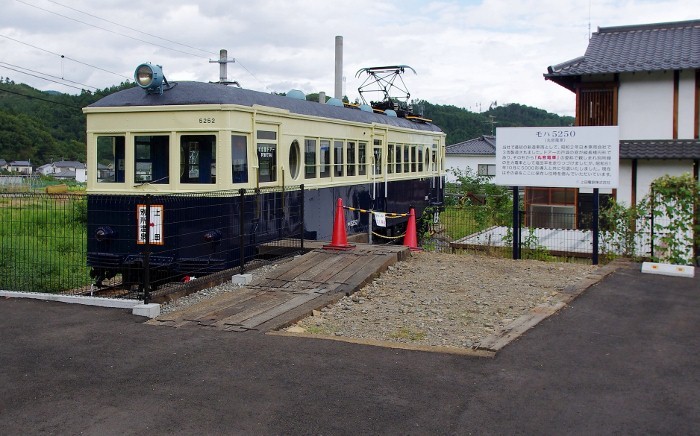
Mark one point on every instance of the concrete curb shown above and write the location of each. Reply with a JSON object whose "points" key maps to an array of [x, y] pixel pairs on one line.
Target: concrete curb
{"points": [[137, 307]]}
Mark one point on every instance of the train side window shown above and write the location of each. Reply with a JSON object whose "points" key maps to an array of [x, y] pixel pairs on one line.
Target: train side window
{"points": [[426, 158], [239, 158], [398, 157], [198, 159], [110, 159], [294, 159], [325, 158], [151, 159], [310, 158], [338, 158], [413, 158], [390, 159], [350, 166], [362, 158], [420, 158], [406, 158]]}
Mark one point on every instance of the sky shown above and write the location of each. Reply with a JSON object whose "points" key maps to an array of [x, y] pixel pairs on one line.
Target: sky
{"points": [[467, 53]]}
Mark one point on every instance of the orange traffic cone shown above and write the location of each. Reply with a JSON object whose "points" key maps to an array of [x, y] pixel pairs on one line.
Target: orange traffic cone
{"points": [[340, 237], [410, 240]]}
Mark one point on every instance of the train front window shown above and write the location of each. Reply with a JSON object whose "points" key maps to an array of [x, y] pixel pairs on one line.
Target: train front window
{"points": [[151, 159], [377, 170], [267, 156], [239, 158], [110, 159], [198, 159]]}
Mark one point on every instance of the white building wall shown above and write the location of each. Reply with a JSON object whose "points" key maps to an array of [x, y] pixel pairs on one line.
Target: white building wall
{"points": [[686, 105], [624, 190], [81, 175], [650, 170], [464, 162], [645, 105]]}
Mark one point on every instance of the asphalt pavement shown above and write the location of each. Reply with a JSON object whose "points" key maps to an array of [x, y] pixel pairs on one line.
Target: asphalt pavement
{"points": [[623, 358]]}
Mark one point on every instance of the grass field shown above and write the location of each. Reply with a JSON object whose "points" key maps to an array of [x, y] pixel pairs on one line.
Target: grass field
{"points": [[42, 242]]}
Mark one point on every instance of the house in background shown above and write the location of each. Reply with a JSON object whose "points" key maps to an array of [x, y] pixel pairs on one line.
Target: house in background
{"points": [[646, 80], [65, 170], [20, 166], [3, 165], [478, 154]]}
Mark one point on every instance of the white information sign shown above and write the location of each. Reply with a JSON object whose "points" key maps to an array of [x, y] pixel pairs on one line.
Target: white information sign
{"points": [[565, 157], [155, 224]]}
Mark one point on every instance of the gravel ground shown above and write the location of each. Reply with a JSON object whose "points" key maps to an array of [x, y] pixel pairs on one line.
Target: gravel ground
{"points": [[440, 299], [432, 299]]}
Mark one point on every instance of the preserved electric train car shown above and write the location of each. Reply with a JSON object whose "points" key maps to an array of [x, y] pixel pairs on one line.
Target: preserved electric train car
{"points": [[208, 138]]}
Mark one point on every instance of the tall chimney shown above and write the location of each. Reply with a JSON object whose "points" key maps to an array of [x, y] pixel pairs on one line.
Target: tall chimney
{"points": [[338, 67]]}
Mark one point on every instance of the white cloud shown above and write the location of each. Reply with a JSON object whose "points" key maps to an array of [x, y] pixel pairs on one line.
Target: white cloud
{"points": [[465, 52]]}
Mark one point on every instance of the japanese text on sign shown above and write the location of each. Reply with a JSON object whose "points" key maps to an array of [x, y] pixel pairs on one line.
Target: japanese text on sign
{"points": [[152, 227], [575, 157]]}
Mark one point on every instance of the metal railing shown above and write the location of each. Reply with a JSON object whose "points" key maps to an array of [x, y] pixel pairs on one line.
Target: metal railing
{"points": [[85, 244]]}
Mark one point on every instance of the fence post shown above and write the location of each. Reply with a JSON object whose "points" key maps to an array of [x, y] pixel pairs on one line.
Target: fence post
{"points": [[147, 254], [301, 207], [516, 223], [241, 230], [594, 226]]}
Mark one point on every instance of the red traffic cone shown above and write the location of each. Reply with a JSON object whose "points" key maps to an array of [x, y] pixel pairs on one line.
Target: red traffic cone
{"points": [[410, 240], [340, 237]]}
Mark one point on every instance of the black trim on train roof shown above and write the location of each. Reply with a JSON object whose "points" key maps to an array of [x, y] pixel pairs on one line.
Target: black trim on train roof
{"points": [[193, 93]]}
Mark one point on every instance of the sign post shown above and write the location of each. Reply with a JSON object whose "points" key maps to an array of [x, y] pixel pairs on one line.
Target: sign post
{"points": [[563, 157]]}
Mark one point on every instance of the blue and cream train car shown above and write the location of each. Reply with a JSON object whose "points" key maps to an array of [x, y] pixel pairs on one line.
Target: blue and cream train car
{"points": [[201, 138]]}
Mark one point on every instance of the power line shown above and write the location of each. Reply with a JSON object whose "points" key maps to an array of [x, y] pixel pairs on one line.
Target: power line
{"points": [[65, 57], [39, 98], [39, 77], [130, 28], [46, 74], [108, 30]]}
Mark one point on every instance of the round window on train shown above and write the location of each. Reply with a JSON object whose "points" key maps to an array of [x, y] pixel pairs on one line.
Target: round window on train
{"points": [[294, 159]]}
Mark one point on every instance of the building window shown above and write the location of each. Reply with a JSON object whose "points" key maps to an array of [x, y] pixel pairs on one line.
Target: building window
{"points": [[486, 170]]}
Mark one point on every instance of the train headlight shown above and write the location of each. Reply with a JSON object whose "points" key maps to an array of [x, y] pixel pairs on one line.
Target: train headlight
{"points": [[104, 233], [212, 236], [150, 78]]}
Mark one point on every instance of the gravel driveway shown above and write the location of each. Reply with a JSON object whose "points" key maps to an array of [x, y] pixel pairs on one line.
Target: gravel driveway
{"points": [[451, 300]]}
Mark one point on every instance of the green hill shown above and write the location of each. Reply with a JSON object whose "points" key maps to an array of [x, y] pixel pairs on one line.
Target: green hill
{"points": [[42, 126]]}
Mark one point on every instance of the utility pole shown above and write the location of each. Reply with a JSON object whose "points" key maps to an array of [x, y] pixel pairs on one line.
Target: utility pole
{"points": [[223, 71]]}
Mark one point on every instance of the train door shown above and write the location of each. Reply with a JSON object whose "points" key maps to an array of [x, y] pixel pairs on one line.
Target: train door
{"points": [[266, 149]]}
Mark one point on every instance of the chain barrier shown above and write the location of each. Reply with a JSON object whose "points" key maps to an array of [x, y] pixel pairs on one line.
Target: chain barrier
{"points": [[386, 214]]}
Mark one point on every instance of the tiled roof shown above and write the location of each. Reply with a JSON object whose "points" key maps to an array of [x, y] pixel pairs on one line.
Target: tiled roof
{"points": [[483, 145], [20, 163], [660, 149], [69, 164], [647, 47]]}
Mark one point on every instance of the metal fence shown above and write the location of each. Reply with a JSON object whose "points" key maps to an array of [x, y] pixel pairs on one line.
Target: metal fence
{"points": [[542, 235], [107, 244]]}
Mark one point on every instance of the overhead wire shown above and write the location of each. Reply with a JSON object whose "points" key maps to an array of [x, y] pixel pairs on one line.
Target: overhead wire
{"points": [[64, 57], [40, 77], [38, 98], [120, 34], [45, 74]]}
